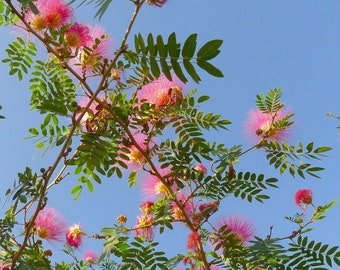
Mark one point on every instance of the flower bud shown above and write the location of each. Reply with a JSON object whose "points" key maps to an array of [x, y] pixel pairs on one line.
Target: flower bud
{"points": [[122, 219]]}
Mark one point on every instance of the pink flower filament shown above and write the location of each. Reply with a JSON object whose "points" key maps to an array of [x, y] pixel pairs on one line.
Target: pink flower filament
{"points": [[260, 125], [303, 197], [242, 228], [52, 14], [74, 236], [50, 225], [144, 227]]}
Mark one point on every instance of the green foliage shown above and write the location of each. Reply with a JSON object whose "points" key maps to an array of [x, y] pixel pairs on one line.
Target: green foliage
{"points": [[321, 210], [162, 217], [189, 113], [134, 254], [27, 187], [247, 186], [51, 133], [6, 16], [227, 157], [95, 157], [34, 258], [1, 116], [160, 57], [176, 154], [142, 255], [132, 179], [52, 89], [7, 225], [28, 4], [305, 254], [267, 253], [101, 5], [302, 254], [20, 56], [282, 157], [190, 145], [270, 103]]}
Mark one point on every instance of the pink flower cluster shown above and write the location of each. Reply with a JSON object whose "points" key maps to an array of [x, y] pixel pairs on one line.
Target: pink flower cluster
{"points": [[259, 125], [242, 228], [135, 156], [74, 236], [53, 14], [86, 45], [5, 266], [303, 197], [90, 256], [153, 188], [193, 241], [144, 225], [162, 92], [51, 226]]}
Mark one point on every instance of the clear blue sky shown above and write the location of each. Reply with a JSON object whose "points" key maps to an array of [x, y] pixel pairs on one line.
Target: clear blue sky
{"points": [[290, 44]]}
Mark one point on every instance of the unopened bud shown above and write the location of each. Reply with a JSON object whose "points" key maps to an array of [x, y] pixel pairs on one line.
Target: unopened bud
{"points": [[115, 75], [259, 132], [48, 252], [122, 219], [299, 220]]}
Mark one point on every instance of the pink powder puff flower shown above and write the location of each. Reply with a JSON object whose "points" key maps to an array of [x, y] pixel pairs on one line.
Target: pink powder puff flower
{"points": [[77, 35], [208, 207], [188, 261], [162, 92], [91, 111], [200, 168], [52, 14], [188, 205], [136, 158], [98, 47], [88, 61], [152, 187], [158, 3], [260, 125], [74, 236], [5, 266], [242, 228], [144, 227], [193, 241], [104, 47], [303, 197], [145, 207], [50, 225], [90, 256]]}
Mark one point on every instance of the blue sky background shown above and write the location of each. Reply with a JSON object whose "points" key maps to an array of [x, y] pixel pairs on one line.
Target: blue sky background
{"points": [[289, 44]]}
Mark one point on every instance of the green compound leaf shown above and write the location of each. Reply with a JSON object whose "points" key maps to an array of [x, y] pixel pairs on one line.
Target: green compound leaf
{"points": [[1, 116], [209, 50], [283, 156], [157, 57], [271, 102], [310, 255], [189, 47], [76, 191], [20, 55], [211, 69]]}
